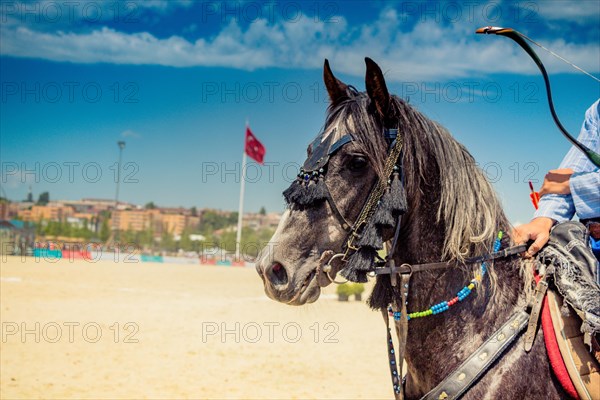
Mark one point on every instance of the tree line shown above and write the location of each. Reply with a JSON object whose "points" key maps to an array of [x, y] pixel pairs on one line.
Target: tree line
{"points": [[217, 229]]}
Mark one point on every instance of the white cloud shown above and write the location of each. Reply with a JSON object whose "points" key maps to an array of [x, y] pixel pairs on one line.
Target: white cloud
{"points": [[428, 51], [53, 10], [130, 134], [162, 5], [567, 10]]}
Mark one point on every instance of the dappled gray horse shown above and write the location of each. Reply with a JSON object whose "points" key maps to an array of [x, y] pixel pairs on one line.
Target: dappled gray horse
{"points": [[433, 203]]}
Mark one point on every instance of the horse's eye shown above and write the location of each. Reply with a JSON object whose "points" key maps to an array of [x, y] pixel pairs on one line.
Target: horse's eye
{"points": [[357, 164]]}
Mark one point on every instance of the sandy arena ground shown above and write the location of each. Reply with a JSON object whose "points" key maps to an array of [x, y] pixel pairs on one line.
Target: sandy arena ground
{"points": [[74, 329]]}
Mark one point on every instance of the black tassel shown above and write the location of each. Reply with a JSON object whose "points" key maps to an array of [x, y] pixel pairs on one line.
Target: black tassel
{"points": [[289, 193], [383, 214], [392, 203], [363, 259], [317, 190], [382, 293], [304, 194], [354, 276], [371, 236], [359, 264], [295, 194], [397, 198]]}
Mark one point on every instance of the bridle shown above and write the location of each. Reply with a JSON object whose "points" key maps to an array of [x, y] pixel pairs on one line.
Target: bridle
{"points": [[313, 173]]}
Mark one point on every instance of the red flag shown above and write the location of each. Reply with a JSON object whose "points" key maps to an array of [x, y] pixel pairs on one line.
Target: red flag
{"points": [[254, 148]]}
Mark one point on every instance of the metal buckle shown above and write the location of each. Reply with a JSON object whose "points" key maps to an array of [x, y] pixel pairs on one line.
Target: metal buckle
{"points": [[350, 241], [393, 273], [410, 268]]}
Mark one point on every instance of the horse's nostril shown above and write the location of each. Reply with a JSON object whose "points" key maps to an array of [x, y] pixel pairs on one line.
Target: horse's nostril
{"points": [[277, 274]]}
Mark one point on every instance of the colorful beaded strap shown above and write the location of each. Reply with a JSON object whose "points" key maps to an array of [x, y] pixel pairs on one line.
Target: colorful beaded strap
{"points": [[460, 296]]}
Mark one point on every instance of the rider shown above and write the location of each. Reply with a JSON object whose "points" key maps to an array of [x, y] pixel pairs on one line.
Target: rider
{"points": [[573, 188]]}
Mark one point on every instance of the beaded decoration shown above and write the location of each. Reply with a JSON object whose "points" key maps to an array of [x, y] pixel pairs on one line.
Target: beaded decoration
{"points": [[308, 188], [460, 296], [305, 176]]}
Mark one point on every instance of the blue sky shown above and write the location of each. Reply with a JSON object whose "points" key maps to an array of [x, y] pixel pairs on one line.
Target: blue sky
{"points": [[177, 80]]}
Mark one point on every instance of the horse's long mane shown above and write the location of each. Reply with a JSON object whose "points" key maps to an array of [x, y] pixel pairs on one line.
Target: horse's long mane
{"points": [[468, 207]]}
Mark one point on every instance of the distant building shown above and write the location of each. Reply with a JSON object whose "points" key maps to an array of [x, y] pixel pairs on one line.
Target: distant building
{"points": [[175, 210], [134, 220], [97, 205], [159, 220], [259, 221], [50, 212], [89, 212], [3, 209], [16, 206], [173, 223]]}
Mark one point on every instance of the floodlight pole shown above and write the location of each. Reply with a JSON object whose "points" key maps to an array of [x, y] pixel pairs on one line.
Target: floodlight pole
{"points": [[121, 145]]}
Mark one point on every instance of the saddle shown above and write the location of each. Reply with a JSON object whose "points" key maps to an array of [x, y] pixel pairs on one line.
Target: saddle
{"points": [[571, 310], [564, 338]]}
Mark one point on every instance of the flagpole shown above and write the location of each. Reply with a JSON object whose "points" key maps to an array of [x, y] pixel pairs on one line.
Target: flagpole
{"points": [[238, 237]]}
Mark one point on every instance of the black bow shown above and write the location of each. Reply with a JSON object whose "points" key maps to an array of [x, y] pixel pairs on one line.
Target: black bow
{"points": [[520, 39]]}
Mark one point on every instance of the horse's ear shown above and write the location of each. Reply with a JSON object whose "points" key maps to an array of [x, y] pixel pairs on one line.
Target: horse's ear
{"points": [[337, 89], [376, 88]]}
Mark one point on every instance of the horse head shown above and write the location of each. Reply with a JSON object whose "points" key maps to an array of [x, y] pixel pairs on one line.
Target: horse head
{"points": [[343, 164]]}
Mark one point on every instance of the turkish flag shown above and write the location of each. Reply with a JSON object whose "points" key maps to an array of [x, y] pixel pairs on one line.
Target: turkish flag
{"points": [[254, 148]]}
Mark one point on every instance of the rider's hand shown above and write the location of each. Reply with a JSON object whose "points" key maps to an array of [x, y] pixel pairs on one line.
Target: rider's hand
{"points": [[537, 230], [556, 181]]}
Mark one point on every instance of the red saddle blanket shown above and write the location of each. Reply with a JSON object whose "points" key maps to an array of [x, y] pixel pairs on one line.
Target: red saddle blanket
{"points": [[574, 367]]}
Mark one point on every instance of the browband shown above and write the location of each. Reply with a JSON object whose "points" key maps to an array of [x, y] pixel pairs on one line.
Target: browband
{"points": [[322, 147]]}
